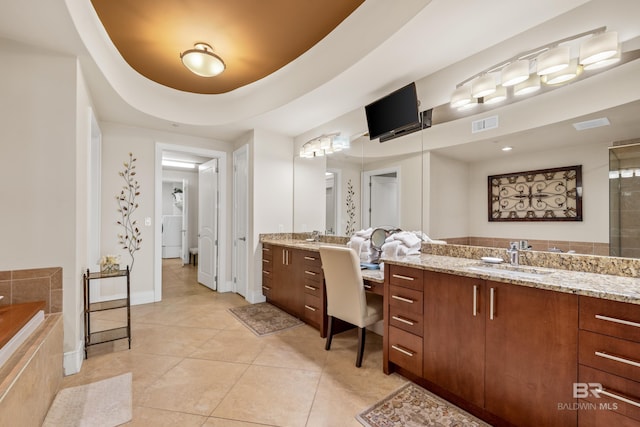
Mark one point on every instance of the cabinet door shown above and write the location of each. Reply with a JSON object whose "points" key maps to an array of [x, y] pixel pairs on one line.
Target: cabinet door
{"points": [[454, 336], [531, 346], [281, 276]]}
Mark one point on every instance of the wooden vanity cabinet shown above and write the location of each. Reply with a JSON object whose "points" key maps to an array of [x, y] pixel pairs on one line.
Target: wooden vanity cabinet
{"points": [[311, 279], [454, 342], [609, 355], [282, 280], [531, 345], [504, 349]]}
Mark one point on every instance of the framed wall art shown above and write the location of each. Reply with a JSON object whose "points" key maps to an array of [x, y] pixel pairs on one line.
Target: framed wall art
{"points": [[539, 195]]}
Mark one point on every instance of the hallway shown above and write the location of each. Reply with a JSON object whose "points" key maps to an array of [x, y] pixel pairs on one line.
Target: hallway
{"points": [[194, 364]]}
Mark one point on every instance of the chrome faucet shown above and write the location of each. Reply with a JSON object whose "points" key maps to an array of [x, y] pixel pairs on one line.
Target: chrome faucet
{"points": [[514, 253]]}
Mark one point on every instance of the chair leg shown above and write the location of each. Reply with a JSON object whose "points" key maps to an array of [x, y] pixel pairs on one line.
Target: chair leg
{"points": [[327, 346], [362, 333]]}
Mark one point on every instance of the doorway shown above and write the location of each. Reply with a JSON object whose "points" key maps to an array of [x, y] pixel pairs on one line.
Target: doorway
{"points": [[381, 200], [333, 218], [214, 258]]}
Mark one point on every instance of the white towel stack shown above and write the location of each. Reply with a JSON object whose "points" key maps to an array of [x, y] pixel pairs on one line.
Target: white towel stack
{"points": [[361, 243], [401, 244]]}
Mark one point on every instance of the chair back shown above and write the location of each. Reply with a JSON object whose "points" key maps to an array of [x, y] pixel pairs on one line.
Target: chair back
{"points": [[346, 297]]}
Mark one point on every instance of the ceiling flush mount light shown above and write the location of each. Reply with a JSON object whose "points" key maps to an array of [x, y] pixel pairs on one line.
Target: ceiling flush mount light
{"points": [[532, 84], [499, 95], [553, 60], [461, 97], [599, 48], [483, 85], [516, 72], [324, 144], [564, 75], [202, 61]]}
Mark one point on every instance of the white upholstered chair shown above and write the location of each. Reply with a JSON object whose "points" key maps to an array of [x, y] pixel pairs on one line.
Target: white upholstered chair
{"points": [[346, 297]]}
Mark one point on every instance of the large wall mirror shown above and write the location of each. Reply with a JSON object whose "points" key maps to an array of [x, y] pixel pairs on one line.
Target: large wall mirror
{"points": [[437, 178]]}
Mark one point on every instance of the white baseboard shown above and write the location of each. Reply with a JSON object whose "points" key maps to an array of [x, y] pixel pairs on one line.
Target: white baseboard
{"points": [[72, 360], [255, 297], [146, 297]]}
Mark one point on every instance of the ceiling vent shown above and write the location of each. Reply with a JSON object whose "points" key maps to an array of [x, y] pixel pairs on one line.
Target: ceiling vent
{"points": [[484, 124], [590, 124]]}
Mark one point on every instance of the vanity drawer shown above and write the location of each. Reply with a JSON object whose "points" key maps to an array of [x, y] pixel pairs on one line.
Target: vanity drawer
{"points": [[618, 392], [313, 310], [267, 251], [311, 258], [313, 288], [405, 300], [405, 350], [374, 287], [609, 354], [266, 286], [312, 274], [406, 277], [618, 319], [410, 322]]}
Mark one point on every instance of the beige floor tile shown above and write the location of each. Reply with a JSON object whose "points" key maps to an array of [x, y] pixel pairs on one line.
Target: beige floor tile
{"points": [[270, 395], [239, 345], [221, 422], [147, 417], [169, 340], [293, 352], [193, 386]]}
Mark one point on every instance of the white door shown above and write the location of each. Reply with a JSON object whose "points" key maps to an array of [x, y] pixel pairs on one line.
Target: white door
{"points": [[240, 219], [384, 200], [185, 221], [208, 223]]}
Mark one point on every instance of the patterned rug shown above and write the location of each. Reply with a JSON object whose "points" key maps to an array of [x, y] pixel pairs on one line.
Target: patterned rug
{"points": [[105, 403], [413, 406], [264, 319]]}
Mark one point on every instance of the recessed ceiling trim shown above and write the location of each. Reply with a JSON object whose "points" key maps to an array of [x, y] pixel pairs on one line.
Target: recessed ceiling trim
{"points": [[590, 124]]}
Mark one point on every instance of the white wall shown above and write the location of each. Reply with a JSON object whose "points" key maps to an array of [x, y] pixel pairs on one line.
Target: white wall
{"points": [[270, 197], [448, 198], [118, 141], [349, 173], [594, 227], [44, 129], [309, 182]]}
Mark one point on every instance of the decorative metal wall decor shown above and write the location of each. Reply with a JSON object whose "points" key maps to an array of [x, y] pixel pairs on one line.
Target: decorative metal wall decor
{"points": [[540, 195]]}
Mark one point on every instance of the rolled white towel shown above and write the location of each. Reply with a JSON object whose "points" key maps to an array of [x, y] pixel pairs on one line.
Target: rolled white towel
{"points": [[356, 243], [390, 250], [365, 233], [408, 238]]}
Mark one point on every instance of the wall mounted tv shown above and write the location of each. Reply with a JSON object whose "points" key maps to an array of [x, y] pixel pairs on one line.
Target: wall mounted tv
{"points": [[396, 114]]}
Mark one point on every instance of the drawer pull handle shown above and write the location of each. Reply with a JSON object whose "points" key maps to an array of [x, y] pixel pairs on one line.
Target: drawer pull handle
{"points": [[311, 288], [309, 258], [266, 249], [617, 397], [308, 307], [618, 359], [403, 299], [492, 293], [405, 321], [266, 272], [311, 273], [367, 286], [399, 276], [475, 300], [266, 288], [613, 319], [266, 260], [402, 350]]}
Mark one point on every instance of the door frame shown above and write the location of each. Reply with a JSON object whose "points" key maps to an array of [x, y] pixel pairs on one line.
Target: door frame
{"points": [[337, 191], [223, 285]]}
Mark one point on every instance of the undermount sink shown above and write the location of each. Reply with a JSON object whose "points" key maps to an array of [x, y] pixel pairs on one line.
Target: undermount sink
{"points": [[511, 271]]}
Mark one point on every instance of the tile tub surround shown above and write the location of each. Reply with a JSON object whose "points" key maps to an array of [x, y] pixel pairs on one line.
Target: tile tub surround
{"points": [[37, 284], [30, 379]]}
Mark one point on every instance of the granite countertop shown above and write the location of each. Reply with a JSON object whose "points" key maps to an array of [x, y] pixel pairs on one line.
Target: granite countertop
{"points": [[617, 288]]}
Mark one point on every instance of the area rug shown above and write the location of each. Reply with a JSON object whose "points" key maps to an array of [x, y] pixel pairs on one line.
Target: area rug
{"points": [[105, 403], [413, 406], [264, 319]]}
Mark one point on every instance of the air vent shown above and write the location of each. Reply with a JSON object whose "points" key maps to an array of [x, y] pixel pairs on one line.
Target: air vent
{"points": [[484, 124], [590, 124]]}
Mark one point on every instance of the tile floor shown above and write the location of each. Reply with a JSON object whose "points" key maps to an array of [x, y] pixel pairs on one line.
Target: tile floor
{"points": [[194, 364]]}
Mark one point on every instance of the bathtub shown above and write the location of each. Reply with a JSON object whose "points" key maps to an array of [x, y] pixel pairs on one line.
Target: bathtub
{"points": [[17, 323]]}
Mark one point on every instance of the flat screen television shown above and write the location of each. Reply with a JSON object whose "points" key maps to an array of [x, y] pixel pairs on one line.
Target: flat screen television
{"points": [[394, 114]]}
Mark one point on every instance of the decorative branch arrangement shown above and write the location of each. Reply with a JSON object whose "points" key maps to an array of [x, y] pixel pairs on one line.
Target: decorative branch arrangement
{"points": [[131, 238], [351, 210]]}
